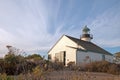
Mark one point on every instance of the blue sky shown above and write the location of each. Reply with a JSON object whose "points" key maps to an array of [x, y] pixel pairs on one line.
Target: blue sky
{"points": [[35, 25]]}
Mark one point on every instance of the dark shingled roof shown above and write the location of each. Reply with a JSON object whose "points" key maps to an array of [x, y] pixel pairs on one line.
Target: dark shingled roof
{"points": [[89, 46]]}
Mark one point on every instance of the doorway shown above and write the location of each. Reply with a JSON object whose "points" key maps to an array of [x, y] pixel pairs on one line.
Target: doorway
{"points": [[64, 57]]}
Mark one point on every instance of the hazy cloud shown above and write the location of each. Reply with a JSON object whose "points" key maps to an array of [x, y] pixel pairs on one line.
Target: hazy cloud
{"points": [[38, 24]]}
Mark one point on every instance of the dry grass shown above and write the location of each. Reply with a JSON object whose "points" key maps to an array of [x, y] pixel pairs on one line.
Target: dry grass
{"points": [[56, 71], [62, 75], [77, 75]]}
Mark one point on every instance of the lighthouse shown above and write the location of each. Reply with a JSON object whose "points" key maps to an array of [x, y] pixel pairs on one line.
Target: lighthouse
{"points": [[86, 36]]}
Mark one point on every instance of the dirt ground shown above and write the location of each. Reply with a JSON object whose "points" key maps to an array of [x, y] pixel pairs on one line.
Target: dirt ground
{"points": [[77, 75]]}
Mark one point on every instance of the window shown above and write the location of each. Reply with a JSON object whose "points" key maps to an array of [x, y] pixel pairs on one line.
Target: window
{"points": [[49, 57], [87, 57], [103, 57]]}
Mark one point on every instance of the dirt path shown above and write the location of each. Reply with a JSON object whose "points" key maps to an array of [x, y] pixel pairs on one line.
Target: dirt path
{"points": [[75, 75]]}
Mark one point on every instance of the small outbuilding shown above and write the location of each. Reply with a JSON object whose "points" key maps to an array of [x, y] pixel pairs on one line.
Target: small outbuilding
{"points": [[70, 49]]}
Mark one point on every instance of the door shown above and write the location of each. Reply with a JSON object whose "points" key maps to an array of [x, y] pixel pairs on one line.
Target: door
{"points": [[64, 57], [61, 57]]}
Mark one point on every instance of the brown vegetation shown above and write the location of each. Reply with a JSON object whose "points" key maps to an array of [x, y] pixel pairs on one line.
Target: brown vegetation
{"points": [[103, 66], [34, 67]]}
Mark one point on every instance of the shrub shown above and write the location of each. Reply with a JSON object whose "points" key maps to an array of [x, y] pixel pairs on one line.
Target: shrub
{"points": [[55, 65], [5, 77], [72, 66], [114, 69], [38, 72], [103, 66]]}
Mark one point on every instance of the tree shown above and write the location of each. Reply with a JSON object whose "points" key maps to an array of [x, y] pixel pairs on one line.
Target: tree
{"points": [[14, 63], [1, 66], [11, 59], [35, 57]]}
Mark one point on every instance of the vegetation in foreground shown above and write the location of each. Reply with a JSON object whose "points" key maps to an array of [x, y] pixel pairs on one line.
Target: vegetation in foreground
{"points": [[34, 67]]}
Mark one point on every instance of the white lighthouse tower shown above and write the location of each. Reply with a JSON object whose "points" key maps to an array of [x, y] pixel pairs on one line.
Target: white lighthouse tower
{"points": [[86, 36]]}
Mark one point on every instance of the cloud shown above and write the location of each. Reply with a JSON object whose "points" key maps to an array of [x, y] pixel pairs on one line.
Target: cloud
{"points": [[37, 25], [105, 27], [25, 24]]}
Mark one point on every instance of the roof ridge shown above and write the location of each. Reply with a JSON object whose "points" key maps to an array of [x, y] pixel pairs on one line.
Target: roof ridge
{"points": [[90, 46], [100, 47], [77, 39]]}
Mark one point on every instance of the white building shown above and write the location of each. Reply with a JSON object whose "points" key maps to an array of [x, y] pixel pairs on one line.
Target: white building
{"points": [[70, 49]]}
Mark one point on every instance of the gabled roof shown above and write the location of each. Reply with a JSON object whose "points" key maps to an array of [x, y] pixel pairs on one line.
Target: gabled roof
{"points": [[55, 43], [89, 46]]}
